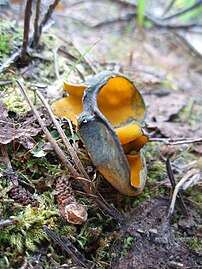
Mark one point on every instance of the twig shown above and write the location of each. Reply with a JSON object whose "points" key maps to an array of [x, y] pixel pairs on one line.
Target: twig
{"points": [[183, 11], [28, 13], [63, 136], [66, 245], [157, 22], [55, 146], [72, 132], [168, 141], [6, 82], [6, 222], [191, 176], [36, 25], [10, 60], [172, 181], [47, 17], [111, 211]]}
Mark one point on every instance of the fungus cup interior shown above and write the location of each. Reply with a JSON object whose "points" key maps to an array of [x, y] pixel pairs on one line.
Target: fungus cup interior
{"points": [[122, 105]]}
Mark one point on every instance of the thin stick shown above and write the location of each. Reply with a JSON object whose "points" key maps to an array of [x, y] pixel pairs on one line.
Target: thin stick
{"points": [[5, 82], [47, 16], [28, 14], [110, 210], [36, 25], [72, 132], [55, 146], [66, 245], [172, 181], [168, 141], [191, 173], [63, 136]]}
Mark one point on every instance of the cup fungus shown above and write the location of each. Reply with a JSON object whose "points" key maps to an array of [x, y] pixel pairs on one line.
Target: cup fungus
{"points": [[108, 111]]}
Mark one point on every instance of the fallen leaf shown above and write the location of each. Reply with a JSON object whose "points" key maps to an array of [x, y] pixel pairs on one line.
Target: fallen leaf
{"points": [[164, 108], [21, 130]]}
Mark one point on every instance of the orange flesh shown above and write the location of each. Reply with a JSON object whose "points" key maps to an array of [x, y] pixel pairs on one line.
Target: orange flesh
{"points": [[135, 163], [128, 132], [68, 107]]}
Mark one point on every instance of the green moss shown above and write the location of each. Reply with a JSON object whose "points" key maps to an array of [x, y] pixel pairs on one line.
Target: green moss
{"points": [[10, 38], [27, 232]]}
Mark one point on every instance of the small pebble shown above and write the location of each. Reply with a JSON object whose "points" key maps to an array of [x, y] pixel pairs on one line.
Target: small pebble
{"points": [[153, 231], [175, 264], [140, 231], [161, 240]]}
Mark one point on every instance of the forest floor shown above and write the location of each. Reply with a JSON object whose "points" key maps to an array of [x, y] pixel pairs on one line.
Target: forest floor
{"points": [[93, 37]]}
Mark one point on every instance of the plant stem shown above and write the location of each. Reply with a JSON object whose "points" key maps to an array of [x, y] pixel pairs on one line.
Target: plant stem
{"points": [[28, 13]]}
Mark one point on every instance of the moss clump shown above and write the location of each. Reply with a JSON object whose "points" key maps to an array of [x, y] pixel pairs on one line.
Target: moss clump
{"points": [[11, 37]]}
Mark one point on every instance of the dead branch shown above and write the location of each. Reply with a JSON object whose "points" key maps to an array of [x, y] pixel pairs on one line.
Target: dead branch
{"points": [[169, 141], [47, 17], [55, 146], [172, 181], [66, 245], [36, 25], [23, 61]]}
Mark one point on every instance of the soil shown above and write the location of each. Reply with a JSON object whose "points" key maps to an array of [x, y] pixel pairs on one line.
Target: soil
{"points": [[155, 244]]}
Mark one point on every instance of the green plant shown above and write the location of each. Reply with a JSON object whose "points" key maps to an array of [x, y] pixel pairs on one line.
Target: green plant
{"points": [[10, 38], [140, 13], [126, 246]]}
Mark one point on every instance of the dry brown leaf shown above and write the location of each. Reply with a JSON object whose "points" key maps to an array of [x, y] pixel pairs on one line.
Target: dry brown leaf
{"points": [[164, 108], [21, 131]]}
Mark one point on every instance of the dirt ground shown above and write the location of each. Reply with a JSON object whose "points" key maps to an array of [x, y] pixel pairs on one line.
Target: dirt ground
{"points": [[155, 244]]}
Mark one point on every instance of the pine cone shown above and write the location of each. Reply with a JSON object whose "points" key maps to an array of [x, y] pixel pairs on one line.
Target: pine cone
{"points": [[21, 195], [69, 208]]}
